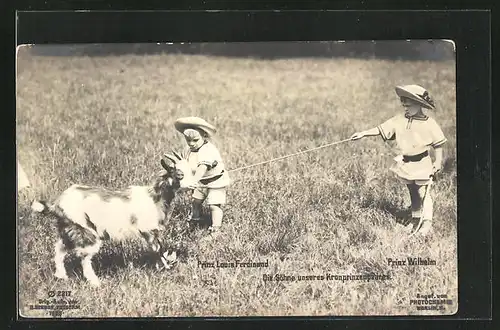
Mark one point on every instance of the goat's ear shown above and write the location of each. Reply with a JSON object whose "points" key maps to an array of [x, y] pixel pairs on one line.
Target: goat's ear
{"points": [[163, 173]]}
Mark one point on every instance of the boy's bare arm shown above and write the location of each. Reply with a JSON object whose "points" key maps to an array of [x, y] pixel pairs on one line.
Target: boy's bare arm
{"points": [[200, 171], [438, 162], [370, 132]]}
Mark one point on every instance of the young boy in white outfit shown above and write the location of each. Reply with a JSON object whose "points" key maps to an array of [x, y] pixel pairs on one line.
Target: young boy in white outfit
{"points": [[415, 133], [210, 176]]}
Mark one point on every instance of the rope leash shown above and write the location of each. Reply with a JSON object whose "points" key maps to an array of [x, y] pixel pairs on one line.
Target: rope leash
{"points": [[290, 155]]}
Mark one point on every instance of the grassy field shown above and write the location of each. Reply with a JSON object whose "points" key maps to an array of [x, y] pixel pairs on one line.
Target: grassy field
{"points": [[106, 121]]}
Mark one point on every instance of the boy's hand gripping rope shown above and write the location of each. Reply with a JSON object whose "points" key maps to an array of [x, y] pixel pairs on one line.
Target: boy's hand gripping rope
{"points": [[291, 155]]}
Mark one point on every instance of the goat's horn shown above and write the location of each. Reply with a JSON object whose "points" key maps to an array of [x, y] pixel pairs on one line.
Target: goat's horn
{"points": [[172, 158], [176, 155]]}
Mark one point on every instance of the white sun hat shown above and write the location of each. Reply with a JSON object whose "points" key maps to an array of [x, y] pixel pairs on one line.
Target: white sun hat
{"points": [[416, 93], [194, 122]]}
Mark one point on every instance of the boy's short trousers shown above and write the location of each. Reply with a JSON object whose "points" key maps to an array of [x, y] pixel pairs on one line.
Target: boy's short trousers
{"points": [[416, 172], [212, 196]]}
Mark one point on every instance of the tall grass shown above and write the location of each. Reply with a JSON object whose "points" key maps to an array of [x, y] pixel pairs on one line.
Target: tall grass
{"points": [[106, 121]]}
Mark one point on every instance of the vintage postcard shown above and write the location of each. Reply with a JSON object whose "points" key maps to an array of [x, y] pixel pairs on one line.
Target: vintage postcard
{"points": [[237, 179]]}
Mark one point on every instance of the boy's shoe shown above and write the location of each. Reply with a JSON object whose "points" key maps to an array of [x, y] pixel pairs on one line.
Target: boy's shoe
{"points": [[426, 227]]}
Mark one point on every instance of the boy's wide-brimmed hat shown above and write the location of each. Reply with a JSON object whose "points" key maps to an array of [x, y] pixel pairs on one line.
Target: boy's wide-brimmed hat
{"points": [[416, 93], [194, 122]]}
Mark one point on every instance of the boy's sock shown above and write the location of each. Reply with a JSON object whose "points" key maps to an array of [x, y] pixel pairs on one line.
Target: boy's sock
{"points": [[194, 215]]}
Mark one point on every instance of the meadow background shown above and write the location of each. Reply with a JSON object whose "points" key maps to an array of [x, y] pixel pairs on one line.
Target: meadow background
{"points": [[107, 120]]}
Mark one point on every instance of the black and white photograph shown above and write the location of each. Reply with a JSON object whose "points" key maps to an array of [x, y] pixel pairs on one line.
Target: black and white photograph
{"points": [[237, 179]]}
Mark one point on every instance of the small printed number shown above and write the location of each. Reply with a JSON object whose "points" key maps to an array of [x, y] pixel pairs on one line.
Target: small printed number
{"points": [[55, 313], [59, 294]]}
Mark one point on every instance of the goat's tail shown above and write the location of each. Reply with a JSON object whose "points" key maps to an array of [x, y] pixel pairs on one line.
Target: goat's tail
{"points": [[44, 208], [40, 207]]}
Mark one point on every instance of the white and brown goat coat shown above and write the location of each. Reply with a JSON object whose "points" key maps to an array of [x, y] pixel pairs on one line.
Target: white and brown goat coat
{"points": [[87, 215]]}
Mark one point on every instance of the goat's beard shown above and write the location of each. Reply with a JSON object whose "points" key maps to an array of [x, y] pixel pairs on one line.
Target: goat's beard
{"points": [[167, 193]]}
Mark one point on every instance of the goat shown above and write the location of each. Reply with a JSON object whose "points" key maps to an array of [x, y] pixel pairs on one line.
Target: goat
{"points": [[87, 215]]}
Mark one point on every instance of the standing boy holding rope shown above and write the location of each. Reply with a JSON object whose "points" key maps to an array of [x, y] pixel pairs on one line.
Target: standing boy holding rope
{"points": [[414, 133], [210, 177]]}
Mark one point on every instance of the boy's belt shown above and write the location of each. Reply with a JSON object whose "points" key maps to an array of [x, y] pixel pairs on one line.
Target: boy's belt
{"points": [[415, 158], [212, 179]]}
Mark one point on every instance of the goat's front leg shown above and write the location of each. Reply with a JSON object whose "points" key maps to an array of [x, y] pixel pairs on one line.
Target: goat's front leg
{"points": [[152, 238], [169, 210]]}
